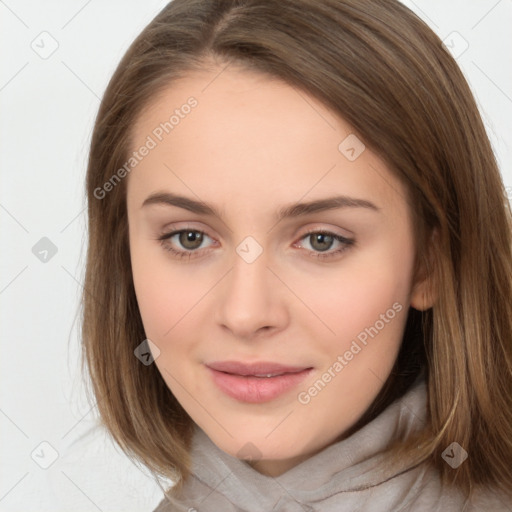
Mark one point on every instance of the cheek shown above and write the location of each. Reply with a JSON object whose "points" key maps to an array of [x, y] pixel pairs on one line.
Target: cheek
{"points": [[170, 297], [354, 297], [162, 299]]}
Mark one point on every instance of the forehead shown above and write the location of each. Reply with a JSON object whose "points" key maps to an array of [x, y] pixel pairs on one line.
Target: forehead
{"points": [[239, 133], [235, 106]]}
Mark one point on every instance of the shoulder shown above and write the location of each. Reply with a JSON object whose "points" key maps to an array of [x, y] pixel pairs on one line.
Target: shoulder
{"points": [[163, 506], [166, 506], [427, 494], [490, 500]]}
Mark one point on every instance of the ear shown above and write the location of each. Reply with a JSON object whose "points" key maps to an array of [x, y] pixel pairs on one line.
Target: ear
{"points": [[424, 289]]}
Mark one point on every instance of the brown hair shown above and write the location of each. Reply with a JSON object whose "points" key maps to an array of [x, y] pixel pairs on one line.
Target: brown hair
{"points": [[382, 69]]}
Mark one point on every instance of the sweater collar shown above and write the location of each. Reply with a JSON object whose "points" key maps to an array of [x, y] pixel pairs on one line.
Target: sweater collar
{"points": [[351, 464]]}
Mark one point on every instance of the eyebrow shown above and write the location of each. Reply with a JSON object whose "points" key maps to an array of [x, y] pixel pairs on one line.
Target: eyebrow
{"points": [[288, 211]]}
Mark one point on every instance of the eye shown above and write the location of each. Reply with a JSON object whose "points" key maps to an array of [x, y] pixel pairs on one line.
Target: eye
{"points": [[190, 239], [323, 241]]}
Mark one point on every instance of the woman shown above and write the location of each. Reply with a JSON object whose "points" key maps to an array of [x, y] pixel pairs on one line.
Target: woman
{"points": [[298, 287]]}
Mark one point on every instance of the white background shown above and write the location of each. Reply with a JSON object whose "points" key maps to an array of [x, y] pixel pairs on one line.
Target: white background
{"points": [[47, 108]]}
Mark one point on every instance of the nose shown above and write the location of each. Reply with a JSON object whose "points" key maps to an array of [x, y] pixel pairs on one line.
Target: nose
{"points": [[251, 301]]}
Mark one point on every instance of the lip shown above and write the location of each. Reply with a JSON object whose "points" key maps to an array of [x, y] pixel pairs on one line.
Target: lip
{"points": [[238, 380], [257, 368]]}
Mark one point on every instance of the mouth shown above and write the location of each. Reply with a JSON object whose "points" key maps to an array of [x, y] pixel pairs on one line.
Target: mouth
{"points": [[256, 382], [258, 369]]}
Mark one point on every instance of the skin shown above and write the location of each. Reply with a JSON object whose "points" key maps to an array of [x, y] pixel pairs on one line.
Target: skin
{"points": [[252, 145]]}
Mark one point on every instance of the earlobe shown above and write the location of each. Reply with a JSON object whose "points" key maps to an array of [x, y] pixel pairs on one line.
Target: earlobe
{"points": [[423, 296], [424, 290]]}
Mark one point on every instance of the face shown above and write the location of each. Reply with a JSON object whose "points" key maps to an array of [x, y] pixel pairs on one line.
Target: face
{"points": [[233, 273]]}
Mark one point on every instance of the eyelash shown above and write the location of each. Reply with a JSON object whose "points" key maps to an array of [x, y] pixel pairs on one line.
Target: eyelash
{"points": [[347, 243]]}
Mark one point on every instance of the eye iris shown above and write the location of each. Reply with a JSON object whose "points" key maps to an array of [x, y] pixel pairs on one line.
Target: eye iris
{"points": [[193, 237], [324, 240]]}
